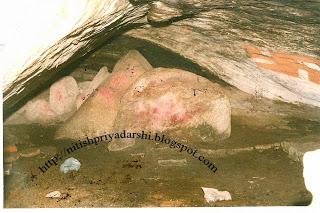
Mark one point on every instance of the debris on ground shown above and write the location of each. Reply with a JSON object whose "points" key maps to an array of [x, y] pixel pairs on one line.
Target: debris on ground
{"points": [[71, 164], [171, 162], [213, 195], [30, 152], [54, 194]]}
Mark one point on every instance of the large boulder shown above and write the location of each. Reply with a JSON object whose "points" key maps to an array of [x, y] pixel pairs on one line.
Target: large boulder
{"points": [[51, 35], [172, 99], [49, 107], [63, 95], [97, 114], [87, 87]]}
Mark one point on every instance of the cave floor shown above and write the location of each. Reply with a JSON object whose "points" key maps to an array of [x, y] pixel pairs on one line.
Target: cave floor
{"points": [[133, 177]]}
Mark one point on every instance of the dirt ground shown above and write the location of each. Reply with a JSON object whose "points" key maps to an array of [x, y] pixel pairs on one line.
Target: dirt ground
{"points": [[133, 178]]}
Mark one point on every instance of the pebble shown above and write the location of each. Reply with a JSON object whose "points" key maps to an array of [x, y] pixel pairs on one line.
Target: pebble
{"points": [[213, 195], [54, 194], [71, 164], [31, 152], [182, 162]]}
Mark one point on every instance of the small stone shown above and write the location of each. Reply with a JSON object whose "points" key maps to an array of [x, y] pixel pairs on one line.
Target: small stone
{"points": [[171, 162], [141, 155], [31, 152], [71, 164], [213, 195], [54, 194]]}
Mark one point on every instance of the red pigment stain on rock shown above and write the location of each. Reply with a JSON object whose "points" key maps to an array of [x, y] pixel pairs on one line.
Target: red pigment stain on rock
{"points": [[59, 95], [45, 107], [163, 111], [119, 80], [107, 92], [290, 64], [186, 116]]}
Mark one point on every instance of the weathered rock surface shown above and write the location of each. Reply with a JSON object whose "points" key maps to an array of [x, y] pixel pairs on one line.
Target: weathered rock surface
{"points": [[217, 41], [298, 147], [51, 106], [288, 27], [87, 87], [63, 95], [171, 98], [39, 111], [54, 36], [96, 116]]}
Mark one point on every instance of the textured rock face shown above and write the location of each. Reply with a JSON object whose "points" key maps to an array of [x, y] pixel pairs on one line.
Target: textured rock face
{"points": [[96, 116], [63, 95], [51, 35], [87, 87], [171, 98], [287, 27], [59, 102], [51, 106], [217, 39]]}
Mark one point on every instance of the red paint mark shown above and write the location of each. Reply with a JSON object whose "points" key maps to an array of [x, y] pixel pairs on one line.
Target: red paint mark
{"points": [[184, 30], [165, 111], [107, 92], [59, 95], [47, 109], [176, 119], [120, 81], [286, 63]]}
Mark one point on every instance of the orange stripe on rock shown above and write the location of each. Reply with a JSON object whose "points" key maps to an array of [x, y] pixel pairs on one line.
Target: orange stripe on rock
{"points": [[289, 70], [252, 50], [285, 63], [314, 76]]}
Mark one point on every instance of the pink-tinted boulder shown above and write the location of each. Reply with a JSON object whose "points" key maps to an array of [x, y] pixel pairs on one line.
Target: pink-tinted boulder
{"points": [[39, 111], [96, 116], [167, 99], [86, 88], [63, 95]]}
